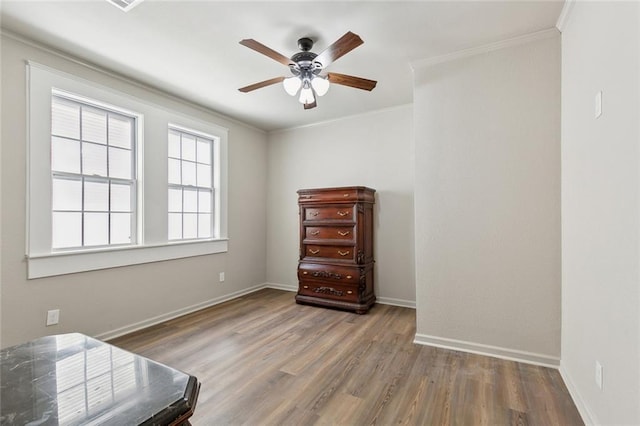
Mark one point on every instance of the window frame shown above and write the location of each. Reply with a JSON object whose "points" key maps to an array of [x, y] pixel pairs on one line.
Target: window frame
{"points": [[155, 117], [84, 178], [214, 190]]}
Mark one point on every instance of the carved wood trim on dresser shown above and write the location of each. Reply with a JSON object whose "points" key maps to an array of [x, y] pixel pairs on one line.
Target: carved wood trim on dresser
{"points": [[336, 248]]}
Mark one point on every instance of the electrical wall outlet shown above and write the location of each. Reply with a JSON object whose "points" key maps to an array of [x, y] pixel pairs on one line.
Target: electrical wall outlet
{"points": [[221, 277], [53, 317], [599, 373]]}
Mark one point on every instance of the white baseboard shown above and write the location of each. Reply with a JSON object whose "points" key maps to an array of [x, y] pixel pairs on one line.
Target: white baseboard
{"points": [[281, 287], [112, 334], [488, 350], [396, 302], [175, 314], [587, 416]]}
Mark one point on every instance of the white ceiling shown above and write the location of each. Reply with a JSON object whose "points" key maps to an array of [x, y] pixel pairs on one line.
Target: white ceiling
{"points": [[190, 48]]}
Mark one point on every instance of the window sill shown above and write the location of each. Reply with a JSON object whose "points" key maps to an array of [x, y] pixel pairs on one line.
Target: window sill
{"points": [[49, 265]]}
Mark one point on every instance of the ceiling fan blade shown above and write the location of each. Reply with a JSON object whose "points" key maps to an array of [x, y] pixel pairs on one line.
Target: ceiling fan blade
{"points": [[341, 47], [351, 81], [261, 84], [267, 51], [311, 105]]}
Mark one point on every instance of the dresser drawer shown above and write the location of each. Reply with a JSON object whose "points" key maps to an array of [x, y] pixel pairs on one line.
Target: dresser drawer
{"points": [[329, 232], [329, 290], [333, 273], [344, 213], [343, 253], [347, 194], [336, 195]]}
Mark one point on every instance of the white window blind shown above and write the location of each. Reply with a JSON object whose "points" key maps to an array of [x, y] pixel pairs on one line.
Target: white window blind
{"points": [[93, 175]]}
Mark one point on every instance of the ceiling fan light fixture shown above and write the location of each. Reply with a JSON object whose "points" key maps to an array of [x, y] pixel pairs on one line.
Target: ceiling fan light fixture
{"points": [[306, 67], [306, 96], [292, 85], [320, 85]]}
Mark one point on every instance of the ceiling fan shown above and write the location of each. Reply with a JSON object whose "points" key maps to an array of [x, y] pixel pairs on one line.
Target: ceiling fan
{"points": [[307, 69]]}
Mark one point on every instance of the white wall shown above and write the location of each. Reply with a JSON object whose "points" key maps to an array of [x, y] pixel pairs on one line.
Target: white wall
{"points": [[371, 150], [487, 201], [99, 302], [600, 211]]}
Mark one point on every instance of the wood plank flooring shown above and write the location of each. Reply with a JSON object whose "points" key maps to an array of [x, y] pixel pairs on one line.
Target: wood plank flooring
{"points": [[263, 360]]}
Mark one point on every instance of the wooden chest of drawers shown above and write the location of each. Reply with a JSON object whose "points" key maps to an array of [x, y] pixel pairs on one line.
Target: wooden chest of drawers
{"points": [[336, 248]]}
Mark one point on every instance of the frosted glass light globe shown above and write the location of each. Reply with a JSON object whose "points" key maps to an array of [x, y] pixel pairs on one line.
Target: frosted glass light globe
{"points": [[292, 85], [306, 96], [320, 85]]}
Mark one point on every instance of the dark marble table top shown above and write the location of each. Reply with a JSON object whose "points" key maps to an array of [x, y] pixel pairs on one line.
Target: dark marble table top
{"points": [[72, 379]]}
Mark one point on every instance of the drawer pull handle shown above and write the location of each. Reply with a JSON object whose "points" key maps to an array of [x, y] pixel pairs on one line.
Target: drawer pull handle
{"points": [[327, 274], [344, 234], [305, 286], [349, 292], [313, 213], [314, 251], [305, 273], [328, 290], [315, 232], [346, 195], [341, 213], [343, 253], [349, 277]]}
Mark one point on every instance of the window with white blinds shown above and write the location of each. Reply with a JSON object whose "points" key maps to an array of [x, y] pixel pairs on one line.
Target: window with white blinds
{"points": [[191, 192], [93, 171], [117, 179]]}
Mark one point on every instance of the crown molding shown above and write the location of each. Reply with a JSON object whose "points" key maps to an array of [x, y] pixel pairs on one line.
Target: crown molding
{"points": [[563, 19], [123, 78], [343, 118], [511, 42]]}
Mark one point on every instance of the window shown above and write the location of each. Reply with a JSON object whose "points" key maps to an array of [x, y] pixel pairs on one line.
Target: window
{"points": [[98, 178], [191, 192], [93, 174]]}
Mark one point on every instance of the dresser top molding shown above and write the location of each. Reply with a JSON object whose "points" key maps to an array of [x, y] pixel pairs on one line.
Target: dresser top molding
{"points": [[360, 194]]}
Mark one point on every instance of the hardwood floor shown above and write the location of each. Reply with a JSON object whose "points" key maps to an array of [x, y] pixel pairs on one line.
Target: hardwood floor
{"points": [[264, 360]]}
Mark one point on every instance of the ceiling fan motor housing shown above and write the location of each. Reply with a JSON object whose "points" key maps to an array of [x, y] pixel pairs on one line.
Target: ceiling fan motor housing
{"points": [[304, 61], [303, 57]]}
